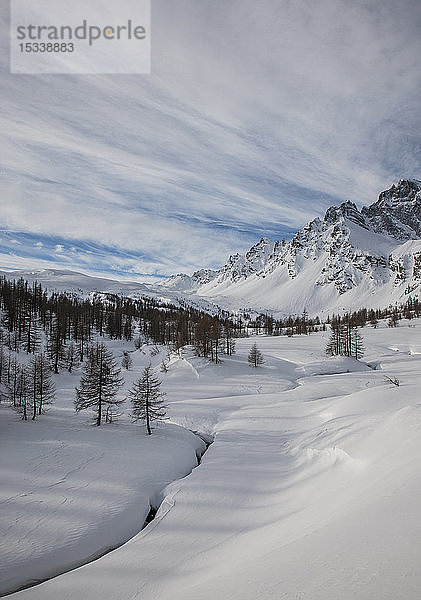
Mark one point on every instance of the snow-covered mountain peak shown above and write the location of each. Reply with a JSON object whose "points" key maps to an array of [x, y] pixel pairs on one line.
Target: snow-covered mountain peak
{"points": [[258, 254], [350, 258], [407, 190], [397, 211], [346, 210], [182, 282]]}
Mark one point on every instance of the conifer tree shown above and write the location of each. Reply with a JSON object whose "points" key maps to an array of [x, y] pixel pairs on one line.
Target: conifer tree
{"points": [[33, 335], [345, 340], [335, 345], [13, 381], [357, 347], [21, 402], [202, 336], [147, 399], [229, 339], [55, 346], [126, 361], [40, 383], [99, 383], [255, 357], [71, 357], [4, 356]]}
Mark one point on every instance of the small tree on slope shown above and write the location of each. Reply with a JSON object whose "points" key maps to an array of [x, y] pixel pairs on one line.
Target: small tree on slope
{"points": [[40, 383], [357, 347], [345, 340], [255, 357], [99, 383], [147, 399], [126, 361]]}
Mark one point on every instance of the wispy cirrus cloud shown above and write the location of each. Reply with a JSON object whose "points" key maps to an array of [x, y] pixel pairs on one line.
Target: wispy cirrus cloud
{"points": [[256, 118]]}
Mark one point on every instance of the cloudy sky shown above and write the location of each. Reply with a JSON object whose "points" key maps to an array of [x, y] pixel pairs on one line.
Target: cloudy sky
{"points": [[256, 117]]}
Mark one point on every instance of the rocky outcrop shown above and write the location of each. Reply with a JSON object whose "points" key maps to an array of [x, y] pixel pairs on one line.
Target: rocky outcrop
{"points": [[376, 250]]}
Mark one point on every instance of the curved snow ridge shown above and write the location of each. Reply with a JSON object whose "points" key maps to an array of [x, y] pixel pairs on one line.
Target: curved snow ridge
{"points": [[164, 501], [194, 370], [331, 457], [164, 508], [77, 550], [308, 456], [407, 418], [79, 504], [336, 365]]}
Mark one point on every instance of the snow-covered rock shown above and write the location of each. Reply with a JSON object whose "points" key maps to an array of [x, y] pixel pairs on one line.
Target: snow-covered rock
{"points": [[188, 283], [397, 211], [352, 258]]}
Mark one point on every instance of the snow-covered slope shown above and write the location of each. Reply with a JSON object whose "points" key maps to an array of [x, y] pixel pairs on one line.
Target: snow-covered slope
{"points": [[310, 490], [350, 259], [79, 283], [70, 491], [62, 280]]}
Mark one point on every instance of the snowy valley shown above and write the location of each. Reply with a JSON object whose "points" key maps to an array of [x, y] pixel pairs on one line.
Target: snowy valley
{"points": [[297, 478], [350, 259], [310, 489], [210, 300]]}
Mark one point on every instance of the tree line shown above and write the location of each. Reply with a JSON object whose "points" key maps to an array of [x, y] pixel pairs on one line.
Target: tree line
{"points": [[67, 323], [55, 331], [303, 325]]}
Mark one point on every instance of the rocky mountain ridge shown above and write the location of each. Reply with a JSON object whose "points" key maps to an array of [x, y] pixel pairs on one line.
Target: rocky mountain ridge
{"points": [[347, 260], [371, 255]]}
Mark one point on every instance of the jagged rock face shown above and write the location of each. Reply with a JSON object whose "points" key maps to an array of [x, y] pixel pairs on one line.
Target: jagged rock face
{"points": [[240, 267], [376, 251], [405, 191], [347, 210], [397, 212], [343, 264], [204, 276], [183, 282]]}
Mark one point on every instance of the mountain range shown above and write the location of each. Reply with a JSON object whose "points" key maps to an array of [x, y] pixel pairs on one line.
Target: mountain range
{"points": [[348, 260]]}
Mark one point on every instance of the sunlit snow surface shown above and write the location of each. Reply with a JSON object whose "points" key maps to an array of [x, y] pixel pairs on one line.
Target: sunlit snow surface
{"points": [[311, 489]]}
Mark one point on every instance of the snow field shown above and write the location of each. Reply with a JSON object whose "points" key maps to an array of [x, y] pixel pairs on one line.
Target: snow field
{"points": [[72, 491], [310, 489]]}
